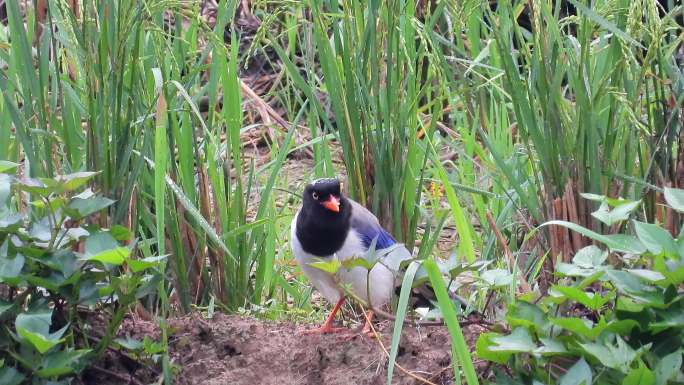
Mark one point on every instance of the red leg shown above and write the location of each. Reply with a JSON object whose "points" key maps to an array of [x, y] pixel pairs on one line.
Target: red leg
{"points": [[327, 325], [367, 330]]}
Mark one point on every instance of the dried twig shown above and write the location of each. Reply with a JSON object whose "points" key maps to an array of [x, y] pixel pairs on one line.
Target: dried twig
{"points": [[377, 337], [129, 379], [525, 287]]}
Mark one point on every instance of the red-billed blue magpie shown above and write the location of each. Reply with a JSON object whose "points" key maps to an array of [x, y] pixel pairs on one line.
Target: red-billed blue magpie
{"points": [[329, 225]]}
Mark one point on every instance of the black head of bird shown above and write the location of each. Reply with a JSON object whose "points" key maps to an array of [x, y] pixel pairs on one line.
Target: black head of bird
{"points": [[323, 222], [323, 197]]}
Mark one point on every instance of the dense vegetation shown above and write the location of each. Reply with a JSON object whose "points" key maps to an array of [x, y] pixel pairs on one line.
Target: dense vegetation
{"points": [[483, 121]]}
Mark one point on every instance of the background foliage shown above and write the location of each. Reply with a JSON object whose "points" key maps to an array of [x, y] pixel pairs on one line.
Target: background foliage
{"points": [[478, 120]]}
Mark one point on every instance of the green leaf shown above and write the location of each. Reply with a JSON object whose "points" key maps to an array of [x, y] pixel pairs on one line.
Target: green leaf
{"points": [[668, 367], [11, 222], [619, 357], [7, 166], [647, 275], [102, 247], [121, 233], [656, 239], [5, 306], [71, 182], [615, 242], [61, 362], [35, 186], [497, 278], [10, 376], [519, 341], [590, 257], [64, 261], [138, 265], [673, 270], [640, 375], [624, 243], [578, 374], [35, 328], [523, 313], [330, 266], [572, 270], [129, 343], [675, 198], [593, 197], [482, 349], [114, 256], [356, 261], [80, 208], [580, 326], [550, 347], [41, 230], [632, 286], [5, 190], [670, 318], [11, 267], [593, 301], [615, 215]]}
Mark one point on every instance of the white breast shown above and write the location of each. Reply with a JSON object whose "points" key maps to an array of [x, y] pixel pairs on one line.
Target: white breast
{"points": [[357, 279]]}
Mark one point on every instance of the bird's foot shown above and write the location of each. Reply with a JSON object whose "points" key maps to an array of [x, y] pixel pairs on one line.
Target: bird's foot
{"points": [[368, 331], [325, 329]]}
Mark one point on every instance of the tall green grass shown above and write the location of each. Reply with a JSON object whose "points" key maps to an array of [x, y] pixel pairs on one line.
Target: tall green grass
{"points": [[588, 94], [117, 91]]}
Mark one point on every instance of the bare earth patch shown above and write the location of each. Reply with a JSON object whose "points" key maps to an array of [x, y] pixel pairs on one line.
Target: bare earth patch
{"points": [[241, 350]]}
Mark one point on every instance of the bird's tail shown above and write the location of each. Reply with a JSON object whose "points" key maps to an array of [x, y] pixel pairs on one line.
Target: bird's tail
{"points": [[423, 295]]}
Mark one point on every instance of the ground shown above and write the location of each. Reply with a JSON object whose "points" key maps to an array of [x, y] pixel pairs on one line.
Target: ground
{"points": [[231, 349]]}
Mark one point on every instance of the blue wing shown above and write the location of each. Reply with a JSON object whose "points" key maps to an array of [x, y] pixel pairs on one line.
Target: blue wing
{"points": [[366, 225], [384, 239]]}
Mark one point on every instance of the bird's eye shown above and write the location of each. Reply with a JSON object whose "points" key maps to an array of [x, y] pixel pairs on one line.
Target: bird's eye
{"points": [[314, 195]]}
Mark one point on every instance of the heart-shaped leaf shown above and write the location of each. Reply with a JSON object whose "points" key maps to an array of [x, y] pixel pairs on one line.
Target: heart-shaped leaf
{"points": [[656, 239], [593, 301], [647, 275], [675, 198], [640, 375], [617, 214], [483, 345], [35, 328], [616, 242], [497, 278], [578, 374], [138, 265], [10, 376], [590, 257], [5, 306], [80, 208], [519, 341], [102, 247], [619, 356], [61, 362], [71, 182], [668, 367], [11, 222], [10, 268]]}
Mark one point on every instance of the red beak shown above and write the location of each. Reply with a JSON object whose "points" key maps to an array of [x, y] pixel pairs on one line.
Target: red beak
{"points": [[332, 204]]}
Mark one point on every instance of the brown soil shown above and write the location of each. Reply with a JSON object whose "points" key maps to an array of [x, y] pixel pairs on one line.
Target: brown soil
{"points": [[240, 350]]}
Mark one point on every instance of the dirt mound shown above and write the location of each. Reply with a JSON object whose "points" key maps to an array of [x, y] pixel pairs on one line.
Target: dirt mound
{"points": [[239, 350]]}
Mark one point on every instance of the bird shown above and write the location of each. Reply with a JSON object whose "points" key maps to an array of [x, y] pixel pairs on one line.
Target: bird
{"points": [[329, 225]]}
